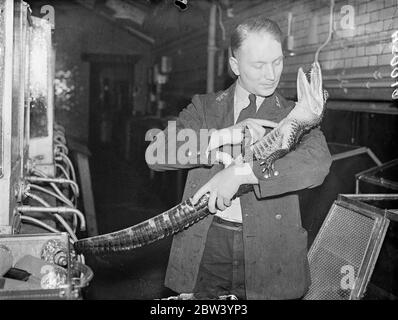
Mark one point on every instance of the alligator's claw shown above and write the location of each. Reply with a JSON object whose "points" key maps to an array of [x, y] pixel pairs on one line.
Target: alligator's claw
{"points": [[269, 169]]}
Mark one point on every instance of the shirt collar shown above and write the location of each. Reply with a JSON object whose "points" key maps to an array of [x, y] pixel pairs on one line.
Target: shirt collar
{"points": [[242, 95]]}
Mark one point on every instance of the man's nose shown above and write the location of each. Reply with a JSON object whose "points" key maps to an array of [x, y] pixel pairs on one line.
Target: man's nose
{"points": [[269, 72]]}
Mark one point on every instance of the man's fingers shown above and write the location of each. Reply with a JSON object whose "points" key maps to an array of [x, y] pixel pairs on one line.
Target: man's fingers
{"points": [[199, 194], [220, 203], [238, 159], [252, 125], [212, 202], [224, 158], [227, 202], [256, 131], [264, 123]]}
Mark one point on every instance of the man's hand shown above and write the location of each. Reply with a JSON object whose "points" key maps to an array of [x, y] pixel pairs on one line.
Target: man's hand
{"points": [[224, 185], [255, 126], [234, 134]]}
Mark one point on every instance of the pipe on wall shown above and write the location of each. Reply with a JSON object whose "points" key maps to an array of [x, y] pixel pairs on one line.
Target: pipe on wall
{"points": [[365, 84], [356, 80], [211, 48], [361, 76], [60, 210]]}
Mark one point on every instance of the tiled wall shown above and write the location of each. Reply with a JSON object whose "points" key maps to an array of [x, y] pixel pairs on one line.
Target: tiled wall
{"points": [[355, 62]]}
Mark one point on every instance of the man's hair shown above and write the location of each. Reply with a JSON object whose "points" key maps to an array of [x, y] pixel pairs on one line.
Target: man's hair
{"points": [[254, 24]]}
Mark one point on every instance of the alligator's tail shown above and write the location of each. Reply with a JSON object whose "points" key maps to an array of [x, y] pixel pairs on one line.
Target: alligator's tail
{"points": [[165, 224], [148, 231]]}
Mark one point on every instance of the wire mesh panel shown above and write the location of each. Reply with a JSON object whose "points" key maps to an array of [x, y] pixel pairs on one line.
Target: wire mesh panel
{"points": [[339, 254]]}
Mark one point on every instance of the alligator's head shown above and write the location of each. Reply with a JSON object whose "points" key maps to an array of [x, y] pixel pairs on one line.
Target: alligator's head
{"points": [[309, 90]]}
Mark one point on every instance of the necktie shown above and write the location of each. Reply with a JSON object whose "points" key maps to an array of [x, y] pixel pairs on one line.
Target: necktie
{"points": [[249, 111]]}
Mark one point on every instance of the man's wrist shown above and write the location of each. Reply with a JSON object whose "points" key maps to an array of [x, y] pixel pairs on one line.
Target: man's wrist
{"points": [[224, 136], [245, 174], [216, 140]]}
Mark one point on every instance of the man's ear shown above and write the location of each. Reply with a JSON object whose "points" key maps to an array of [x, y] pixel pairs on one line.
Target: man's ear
{"points": [[233, 63]]}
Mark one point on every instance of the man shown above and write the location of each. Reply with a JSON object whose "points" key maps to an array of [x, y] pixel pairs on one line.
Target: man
{"points": [[254, 246]]}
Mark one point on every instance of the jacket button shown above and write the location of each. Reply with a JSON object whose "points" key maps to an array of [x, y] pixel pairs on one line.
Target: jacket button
{"points": [[193, 185], [278, 216]]}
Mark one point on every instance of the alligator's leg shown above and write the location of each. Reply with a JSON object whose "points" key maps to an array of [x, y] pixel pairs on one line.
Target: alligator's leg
{"points": [[268, 164]]}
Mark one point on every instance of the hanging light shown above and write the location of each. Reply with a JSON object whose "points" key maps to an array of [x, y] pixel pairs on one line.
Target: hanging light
{"points": [[289, 41], [181, 4], [167, 18]]}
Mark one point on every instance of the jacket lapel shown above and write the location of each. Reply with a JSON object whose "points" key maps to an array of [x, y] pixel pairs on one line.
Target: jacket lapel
{"points": [[228, 108], [220, 114], [269, 109]]}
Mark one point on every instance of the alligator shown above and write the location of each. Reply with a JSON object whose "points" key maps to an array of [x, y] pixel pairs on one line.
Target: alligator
{"points": [[306, 114]]}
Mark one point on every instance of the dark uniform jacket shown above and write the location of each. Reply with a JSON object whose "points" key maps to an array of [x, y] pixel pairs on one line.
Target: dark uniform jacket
{"points": [[275, 244]]}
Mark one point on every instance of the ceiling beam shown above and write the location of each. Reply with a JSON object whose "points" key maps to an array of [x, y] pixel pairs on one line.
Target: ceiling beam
{"points": [[129, 29]]}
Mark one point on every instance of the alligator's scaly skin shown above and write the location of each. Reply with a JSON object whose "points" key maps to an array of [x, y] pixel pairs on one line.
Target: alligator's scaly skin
{"points": [[156, 228], [271, 147]]}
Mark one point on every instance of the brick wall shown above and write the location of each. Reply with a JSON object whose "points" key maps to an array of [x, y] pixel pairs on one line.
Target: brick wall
{"points": [[355, 62]]}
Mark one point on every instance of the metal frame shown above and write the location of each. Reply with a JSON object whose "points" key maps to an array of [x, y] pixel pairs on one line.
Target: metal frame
{"points": [[391, 214], [367, 176], [355, 152], [375, 242], [381, 222], [14, 106], [358, 151], [6, 43], [19, 91], [26, 119]]}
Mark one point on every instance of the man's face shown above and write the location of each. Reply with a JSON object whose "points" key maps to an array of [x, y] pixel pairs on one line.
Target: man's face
{"points": [[258, 63]]}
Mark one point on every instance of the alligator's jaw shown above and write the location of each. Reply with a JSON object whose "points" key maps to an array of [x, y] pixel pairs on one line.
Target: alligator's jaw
{"points": [[309, 91], [316, 88]]}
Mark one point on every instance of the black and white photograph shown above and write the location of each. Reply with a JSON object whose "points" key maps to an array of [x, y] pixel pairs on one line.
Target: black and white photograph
{"points": [[197, 155]]}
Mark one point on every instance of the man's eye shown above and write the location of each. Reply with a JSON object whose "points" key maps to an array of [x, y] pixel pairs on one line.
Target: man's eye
{"points": [[278, 62], [258, 66]]}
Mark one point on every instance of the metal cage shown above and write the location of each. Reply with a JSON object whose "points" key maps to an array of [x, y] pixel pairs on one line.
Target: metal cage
{"points": [[349, 241]]}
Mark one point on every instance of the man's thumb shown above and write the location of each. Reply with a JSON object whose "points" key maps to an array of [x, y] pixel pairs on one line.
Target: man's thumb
{"points": [[198, 195]]}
